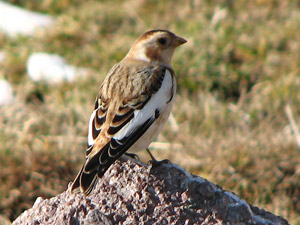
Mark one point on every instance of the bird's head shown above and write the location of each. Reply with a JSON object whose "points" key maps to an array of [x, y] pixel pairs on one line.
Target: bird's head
{"points": [[155, 46]]}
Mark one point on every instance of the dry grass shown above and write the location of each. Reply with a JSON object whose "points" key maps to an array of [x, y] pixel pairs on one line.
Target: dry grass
{"points": [[238, 71]]}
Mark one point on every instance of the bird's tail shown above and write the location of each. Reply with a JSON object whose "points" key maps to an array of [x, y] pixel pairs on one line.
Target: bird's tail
{"points": [[91, 171], [84, 182]]}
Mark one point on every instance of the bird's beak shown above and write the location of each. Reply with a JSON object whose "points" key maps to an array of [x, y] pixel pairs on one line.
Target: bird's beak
{"points": [[179, 41]]}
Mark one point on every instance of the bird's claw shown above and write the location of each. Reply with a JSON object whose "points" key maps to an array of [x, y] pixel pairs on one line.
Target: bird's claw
{"points": [[132, 155], [154, 162]]}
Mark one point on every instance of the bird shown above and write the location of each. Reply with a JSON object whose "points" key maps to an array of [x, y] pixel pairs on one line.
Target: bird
{"points": [[132, 106]]}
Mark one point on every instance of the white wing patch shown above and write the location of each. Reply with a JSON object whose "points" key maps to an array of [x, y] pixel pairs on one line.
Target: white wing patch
{"points": [[91, 140], [157, 102]]}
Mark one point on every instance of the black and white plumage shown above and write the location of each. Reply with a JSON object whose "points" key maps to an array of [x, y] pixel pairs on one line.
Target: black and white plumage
{"points": [[133, 104]]}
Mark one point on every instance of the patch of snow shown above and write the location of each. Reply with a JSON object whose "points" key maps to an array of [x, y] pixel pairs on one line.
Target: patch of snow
{"points": [[6, 93], [15, 20], [51, 68]]}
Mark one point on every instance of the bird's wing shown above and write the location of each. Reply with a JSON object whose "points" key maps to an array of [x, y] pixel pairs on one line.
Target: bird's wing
{"points": [[122, 114]]}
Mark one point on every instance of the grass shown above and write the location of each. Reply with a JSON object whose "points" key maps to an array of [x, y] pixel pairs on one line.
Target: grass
{"points": [[236, 74]]}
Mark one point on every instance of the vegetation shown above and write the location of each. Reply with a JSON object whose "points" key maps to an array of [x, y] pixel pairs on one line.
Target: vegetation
{"points": [[237, 73]]}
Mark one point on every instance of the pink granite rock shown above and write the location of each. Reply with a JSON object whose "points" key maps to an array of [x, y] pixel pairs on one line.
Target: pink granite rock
{"points": [[132, 193]]}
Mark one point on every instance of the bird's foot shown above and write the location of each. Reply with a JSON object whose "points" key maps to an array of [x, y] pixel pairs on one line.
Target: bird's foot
{"points": [[132, 155], [154, 162]]}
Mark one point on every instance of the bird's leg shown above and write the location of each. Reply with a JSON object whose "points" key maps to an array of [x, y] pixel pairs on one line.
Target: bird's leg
{"points": [[132, 155], [152, 157], [155, 162]]}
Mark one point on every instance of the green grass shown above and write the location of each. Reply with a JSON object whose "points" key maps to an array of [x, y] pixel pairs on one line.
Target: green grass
{"points": [[236, 74]]}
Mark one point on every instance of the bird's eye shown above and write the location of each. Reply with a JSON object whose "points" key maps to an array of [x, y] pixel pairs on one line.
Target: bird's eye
{"points": [[162, 41]]}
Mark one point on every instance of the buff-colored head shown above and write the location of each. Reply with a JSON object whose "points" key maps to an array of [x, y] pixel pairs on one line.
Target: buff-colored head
{"points": [[155, 46]]}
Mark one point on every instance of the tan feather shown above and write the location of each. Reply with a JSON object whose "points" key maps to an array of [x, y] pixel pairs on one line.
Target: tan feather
{"points": [[127, 88]]}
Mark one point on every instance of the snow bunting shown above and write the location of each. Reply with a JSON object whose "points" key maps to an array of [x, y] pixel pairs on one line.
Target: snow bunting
{"points": [[133, 104]]}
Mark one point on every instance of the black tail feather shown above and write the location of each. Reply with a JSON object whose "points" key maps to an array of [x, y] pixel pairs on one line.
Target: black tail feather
{"points": [[76, 183], [99, 163], [84, 182], [87, 182]]}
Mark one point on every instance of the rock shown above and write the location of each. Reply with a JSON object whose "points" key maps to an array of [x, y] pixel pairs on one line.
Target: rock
{"points": [[15, 20], [132, 193], [51, 68], [6, 93]]}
